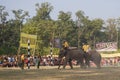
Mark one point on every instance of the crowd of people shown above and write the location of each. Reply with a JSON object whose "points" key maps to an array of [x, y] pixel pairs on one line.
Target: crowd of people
{"points": [[113, 61], [22, 60], [8, 61]]}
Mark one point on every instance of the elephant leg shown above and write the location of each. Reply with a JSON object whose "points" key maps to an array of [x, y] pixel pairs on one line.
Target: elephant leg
{"points": [[97, 63], [82, 65], [99, 66], [59, 63], [87, 62], [70, 63], [87, 59], [64, 64]]}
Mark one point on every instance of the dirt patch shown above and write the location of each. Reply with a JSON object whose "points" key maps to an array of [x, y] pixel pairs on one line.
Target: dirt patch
{"points": [[52, 73]]}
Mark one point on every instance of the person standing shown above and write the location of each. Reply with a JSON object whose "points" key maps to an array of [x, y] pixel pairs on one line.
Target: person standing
{"points": [[38, 61], [22, 61]]}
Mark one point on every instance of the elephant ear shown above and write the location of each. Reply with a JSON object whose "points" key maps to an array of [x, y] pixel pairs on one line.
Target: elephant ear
{"points": [[92, 52], [62, 53]]}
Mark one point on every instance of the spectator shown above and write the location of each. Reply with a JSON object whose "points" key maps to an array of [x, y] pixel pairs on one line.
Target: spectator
{"points": [[38, 59], [22, 61]]}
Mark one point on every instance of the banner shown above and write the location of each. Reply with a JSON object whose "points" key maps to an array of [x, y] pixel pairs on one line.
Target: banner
{"points": [[57, 43], [24, 40], [106, 46]]}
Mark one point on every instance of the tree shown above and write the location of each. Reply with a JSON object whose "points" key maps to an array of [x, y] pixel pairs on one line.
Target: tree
{"points": [[111, 29], [118, 32], [3, 27], [88, 30], [43, 11], [3, 20], [65, 24], [11, 39], [41, 25], [20, 15], [3, 14], [95, 31], [80, 17]]}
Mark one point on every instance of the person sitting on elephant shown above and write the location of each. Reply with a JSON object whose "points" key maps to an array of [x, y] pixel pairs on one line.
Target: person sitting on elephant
{"points": [[85, 48], [65, 46]]}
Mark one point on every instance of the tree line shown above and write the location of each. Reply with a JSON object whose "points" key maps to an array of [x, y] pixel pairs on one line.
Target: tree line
{"points": [[76, 32]]}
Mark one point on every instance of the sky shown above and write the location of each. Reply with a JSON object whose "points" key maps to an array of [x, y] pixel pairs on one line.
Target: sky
{"points": [[103, 9]]}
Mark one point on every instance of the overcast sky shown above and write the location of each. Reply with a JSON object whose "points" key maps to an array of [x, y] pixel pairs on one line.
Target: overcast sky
{"points": [[93, 8]]}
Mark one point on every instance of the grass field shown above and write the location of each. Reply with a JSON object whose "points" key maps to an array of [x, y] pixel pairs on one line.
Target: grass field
{"points": [[52, 73]]}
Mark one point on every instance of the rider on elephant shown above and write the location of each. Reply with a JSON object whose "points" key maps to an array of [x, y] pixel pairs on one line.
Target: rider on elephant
{"points": [[65, 46], [85, 48]]}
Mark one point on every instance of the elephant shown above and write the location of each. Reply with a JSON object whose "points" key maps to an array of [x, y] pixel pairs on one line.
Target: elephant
{"points": [[94, 56], [75, 54], [80, 56]]}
